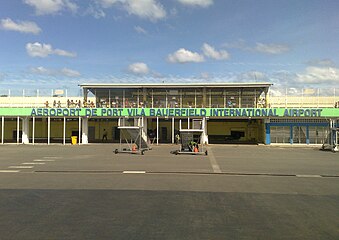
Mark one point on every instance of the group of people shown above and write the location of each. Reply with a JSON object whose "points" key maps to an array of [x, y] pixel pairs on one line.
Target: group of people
{"points": [[71, 104], [55, 104], [78, 104]]}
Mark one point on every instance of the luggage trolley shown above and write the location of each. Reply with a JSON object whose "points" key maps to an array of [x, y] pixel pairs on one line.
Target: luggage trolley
{"points": [[190, 142], [131, 141]]}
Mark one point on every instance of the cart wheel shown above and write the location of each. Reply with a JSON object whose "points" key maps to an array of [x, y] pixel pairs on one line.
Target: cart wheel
{"points": [[206, 152], [142, 152], [116, 151], [176, 152]]}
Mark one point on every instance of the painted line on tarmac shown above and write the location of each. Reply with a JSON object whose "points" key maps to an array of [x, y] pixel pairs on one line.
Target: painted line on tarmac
{"points": [[53, 157], [43, 160], [9, 171], [33, 163], [213, 161], [80, 171], [309, 176], [134, 172], [21, 167], [186, 173]]}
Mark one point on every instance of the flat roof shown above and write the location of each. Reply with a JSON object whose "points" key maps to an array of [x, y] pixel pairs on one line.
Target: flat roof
{"points": [[174, 85]]}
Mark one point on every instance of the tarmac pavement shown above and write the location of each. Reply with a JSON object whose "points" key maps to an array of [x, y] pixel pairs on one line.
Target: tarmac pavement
{"points": [[236, 192]]}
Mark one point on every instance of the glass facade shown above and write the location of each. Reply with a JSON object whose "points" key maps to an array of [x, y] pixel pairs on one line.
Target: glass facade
{"points": [[318, 134], [195, 97], [280, 134], [299, 133]]}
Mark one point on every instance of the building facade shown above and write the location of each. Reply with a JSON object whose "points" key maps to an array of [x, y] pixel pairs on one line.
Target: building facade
{"points": [[227, 113]]}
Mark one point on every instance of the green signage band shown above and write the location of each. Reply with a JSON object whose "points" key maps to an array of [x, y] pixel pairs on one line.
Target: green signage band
{"points": [[172, 112]]}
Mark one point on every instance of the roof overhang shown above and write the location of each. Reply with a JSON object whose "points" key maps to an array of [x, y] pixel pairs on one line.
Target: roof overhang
{"points": [[175, 85]]}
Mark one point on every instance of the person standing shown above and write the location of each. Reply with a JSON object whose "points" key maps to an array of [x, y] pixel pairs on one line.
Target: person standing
{"points": [[177, 138], [104, 135]]}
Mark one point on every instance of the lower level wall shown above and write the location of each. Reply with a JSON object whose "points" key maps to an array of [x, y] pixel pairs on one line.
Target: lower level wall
{"points": [[297, 133], [218, 130]]}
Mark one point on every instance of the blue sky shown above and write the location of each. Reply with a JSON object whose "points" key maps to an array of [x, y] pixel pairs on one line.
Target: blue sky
{"points": [[61, 43]]}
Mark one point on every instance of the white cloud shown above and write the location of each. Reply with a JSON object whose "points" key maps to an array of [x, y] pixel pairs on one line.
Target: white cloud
{"points": [[38, 49], [198, 3], [55, 72], [210, 52], [95, 11], [70, 73], [268, 48], [64, 53], [139, 29], [148, 9], [108, 3], [41, 70], [20, 26], [138, 68], [184, 56], [319, 75], [271, 48], [43, 50], [253, 76], [44, 7], [321, 62]]}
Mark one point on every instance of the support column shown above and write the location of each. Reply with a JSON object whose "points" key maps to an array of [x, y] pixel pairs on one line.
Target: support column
{"points": [[240, 100], [79, 137], [173, 130], [267, 132], [25, 130], [204, 101], [48, 130], [2, 129], [84, 130], [291, 134], [109, 98], [33, 130], [157, 130], [332, 133], [267, 101], [64, 132], [85, 93], [17, 130], [144, 128], [204, 136], [307, 135], [335, 135]]}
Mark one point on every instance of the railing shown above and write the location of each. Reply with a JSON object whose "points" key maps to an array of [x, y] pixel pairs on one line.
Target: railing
{"points": [[304, 102], [48, 102], [285, 98], [304, 97], [63, 102]]}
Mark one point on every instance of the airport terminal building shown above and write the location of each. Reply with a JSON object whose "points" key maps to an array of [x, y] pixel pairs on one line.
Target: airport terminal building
{"points": [[224, 112]]}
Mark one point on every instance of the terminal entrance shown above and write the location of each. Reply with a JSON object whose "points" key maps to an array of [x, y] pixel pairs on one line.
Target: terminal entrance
{"points": [[103, 130], [235, 131]]}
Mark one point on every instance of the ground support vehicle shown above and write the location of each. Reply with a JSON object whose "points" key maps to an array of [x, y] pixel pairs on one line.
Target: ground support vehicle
{"points": [[190, 142], [132, 141]]}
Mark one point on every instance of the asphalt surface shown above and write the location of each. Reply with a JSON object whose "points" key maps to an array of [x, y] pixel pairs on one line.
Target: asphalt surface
{"points": [[236, 192]]}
